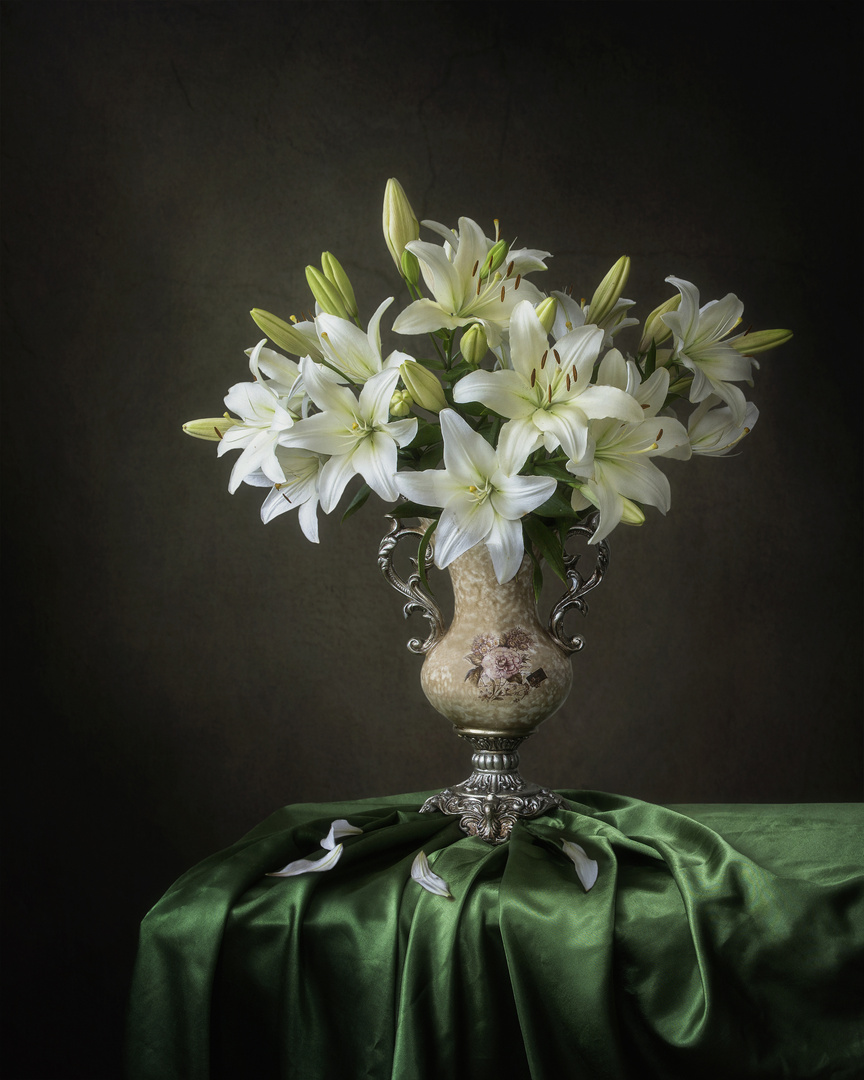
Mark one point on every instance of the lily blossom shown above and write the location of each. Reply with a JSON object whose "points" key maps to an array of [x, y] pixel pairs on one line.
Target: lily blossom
{"points": [[355, 354], [299, 490], [265, 416], [617, 472], [702, 345], [482, 496], [466, 290], [355, 433], [713, 431], [546, 393]]}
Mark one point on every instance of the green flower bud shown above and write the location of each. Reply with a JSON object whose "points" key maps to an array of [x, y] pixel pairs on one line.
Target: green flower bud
{"points": [[284, 335], [399, 220], [655, 329], [497, 255], [400, 403], [339, 279], [423, 386], [325, 293], [761, 341], [545, 312], [632, 514], [608, 291], [473, 345], [211, 428], [410, 267]]}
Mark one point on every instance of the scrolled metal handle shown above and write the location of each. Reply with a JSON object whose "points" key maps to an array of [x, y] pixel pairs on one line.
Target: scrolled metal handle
{"points": [[418, 601], [578, 585]]}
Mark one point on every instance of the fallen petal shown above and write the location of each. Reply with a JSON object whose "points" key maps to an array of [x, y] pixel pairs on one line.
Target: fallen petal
{"points": [[423, 875], [340, 827], [310, 866], [586, 869]]}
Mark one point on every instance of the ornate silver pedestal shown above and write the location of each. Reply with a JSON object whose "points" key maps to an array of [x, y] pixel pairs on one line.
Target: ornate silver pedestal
{"points": [[489, 802]]}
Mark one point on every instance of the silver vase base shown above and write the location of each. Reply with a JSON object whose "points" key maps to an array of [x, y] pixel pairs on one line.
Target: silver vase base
{"points": [[494, 797]]}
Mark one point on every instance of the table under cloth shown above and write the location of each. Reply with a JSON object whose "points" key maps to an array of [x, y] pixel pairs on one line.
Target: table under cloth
{"points": [[717, 941]]}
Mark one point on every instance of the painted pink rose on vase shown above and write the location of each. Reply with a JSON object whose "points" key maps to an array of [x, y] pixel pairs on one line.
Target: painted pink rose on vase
{"points": [[501, 663]]}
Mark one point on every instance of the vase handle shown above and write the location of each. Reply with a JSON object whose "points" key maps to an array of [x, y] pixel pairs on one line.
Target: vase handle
{"points": [[578, 585], [418, 601]]}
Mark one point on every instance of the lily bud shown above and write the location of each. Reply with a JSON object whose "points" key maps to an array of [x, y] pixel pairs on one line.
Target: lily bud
{"points": [[410, 267], [423, 386], [399, 220], [325, 293], [761, 341], [284, 335], [400, 403], [655, 329], [632, 514], [474, 345], [211, 428], [608, 291], [497, 255], [339, 279], [546, 311]]}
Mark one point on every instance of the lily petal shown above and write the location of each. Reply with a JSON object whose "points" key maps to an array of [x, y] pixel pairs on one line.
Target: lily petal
{"points": [[586, 868], [340, 827], [431, 882], [310, 866]]}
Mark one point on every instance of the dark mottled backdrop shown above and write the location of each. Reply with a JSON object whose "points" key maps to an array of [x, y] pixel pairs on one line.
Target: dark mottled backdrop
{"points": [[177, 670]]}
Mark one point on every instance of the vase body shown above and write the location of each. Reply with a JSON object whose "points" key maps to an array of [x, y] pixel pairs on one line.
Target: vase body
{"points": [[496, 671]]}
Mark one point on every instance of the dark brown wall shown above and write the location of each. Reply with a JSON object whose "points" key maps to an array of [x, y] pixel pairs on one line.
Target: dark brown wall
{"points": [[177, 670]]}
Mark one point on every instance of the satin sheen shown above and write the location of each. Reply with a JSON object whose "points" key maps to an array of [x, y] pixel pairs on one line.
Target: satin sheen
{"points": [[718, 942]]}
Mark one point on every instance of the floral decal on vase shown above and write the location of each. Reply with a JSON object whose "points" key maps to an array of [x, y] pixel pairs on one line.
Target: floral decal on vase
{"points": [[501, 667]]}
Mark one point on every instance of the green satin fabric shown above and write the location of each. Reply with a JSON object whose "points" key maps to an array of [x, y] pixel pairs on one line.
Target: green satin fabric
{"points": [[718, 942]]}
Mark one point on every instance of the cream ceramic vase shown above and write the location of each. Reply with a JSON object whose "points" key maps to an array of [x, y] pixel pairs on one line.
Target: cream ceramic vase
{"points": [[496, 673]]}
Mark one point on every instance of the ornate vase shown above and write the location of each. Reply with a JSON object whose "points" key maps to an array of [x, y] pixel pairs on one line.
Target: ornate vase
{"points": [[497, 672]]}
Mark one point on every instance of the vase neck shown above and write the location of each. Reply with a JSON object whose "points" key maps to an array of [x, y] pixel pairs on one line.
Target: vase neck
{"points": [[474, 582]]}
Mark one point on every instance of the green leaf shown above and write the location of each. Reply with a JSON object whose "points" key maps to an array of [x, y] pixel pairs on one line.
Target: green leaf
{"points": [[537, 574], [557, 506], [362, 495], [421, 556], [556, 469], [427, 434], [547, 543], [412, 509], [651, 359]]}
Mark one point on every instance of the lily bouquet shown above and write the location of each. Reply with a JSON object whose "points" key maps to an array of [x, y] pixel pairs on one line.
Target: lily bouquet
{"points": [[523, 415]]}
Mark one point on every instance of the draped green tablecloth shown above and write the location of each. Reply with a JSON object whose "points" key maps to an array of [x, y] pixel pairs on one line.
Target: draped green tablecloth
{"points": [[718, 941]]}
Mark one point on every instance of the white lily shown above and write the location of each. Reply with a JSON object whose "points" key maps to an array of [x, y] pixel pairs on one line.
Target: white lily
{"points": [[355, 433], [713, 431], [298, 492], [546, 394], [454, 274], [267, 410], [702, 345], [483, 499], [357, 355], [617, 472]]}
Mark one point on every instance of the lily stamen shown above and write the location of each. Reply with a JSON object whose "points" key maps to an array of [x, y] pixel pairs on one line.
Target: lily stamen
{"points": [[518, 280]]}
